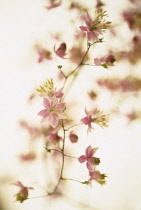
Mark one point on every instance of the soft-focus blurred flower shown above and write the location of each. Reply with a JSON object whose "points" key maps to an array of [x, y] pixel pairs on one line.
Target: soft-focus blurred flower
{"points": [[53, 111], [99, 4], [54, 137], [73, 137], [105, 61], [127, 84], [97, 176], [32, 130], [95, 27], [23, 193], [61, 51], [94, 175], [76, 54], [27, 156], [43, 54], [53, 4], [93, 95], [91, 161], [133, 18]]}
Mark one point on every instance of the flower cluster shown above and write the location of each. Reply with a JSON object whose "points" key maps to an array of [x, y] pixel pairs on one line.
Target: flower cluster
{"points": [[60, 128], [91, 163], [105, 61], [95, 27], [127, 84]]}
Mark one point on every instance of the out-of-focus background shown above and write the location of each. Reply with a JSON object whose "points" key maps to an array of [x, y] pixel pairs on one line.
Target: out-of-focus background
{"points": [[27, 24]]}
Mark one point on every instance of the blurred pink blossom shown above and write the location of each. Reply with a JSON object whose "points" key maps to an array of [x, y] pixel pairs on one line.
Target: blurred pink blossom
{"points": [[105, 61], [94, 175], [43, 54], [76, 54], [53, 4], [54, 137], [73, 137], [27, 157], [61, 51]]}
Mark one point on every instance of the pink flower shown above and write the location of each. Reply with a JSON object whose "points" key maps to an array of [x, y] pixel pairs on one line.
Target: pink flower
{"points": [[54, 137], [91, 33], [73, 137], [97, 176], [53, 111], [23, 193], [27, 157], [105, 61], [61, 51], [94, 175], [53, 4], [88, 120], [58, 93], [95, 27], [43, 54], [89, 157]]}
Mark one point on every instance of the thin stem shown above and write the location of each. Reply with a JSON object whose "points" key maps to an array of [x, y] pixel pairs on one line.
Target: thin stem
{"points": [[67, 179], [86, 64], [73, 126], [62, 167], [62, 153], [79, 65], [41, 196]]}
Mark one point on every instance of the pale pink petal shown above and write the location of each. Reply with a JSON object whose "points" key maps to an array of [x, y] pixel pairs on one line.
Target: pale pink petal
{"points": [[54, 101], [47, 103], [93, 151], [42, 113], [83, 28], [46, 118], [19, 184], [90, 37], [61, 106], [88, 20], [90, 167], [54, 120], [82, 159], [94, 175], [85, 120], [59, 93], [88, 151]]}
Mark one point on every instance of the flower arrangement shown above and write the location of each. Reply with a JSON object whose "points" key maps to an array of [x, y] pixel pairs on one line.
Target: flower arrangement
{"points": [[57, 123]]}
